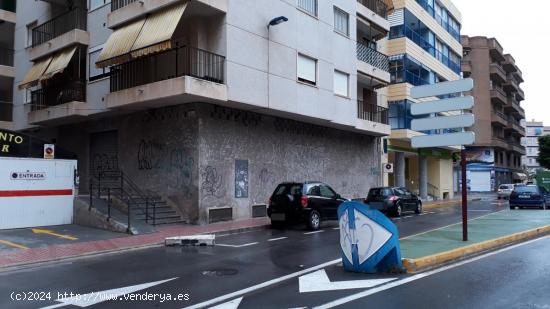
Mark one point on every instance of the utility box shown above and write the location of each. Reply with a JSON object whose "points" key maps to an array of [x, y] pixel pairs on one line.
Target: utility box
{"points": [[543, 179]]}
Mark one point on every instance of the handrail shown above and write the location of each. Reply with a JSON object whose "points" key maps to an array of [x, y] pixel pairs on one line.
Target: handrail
{"points": [[117, 4], [373, 57], [73, 19], [53, 96], [372, 112]]}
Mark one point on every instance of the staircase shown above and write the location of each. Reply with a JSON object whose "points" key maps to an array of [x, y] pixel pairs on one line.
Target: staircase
{"points": [[142, 205]]}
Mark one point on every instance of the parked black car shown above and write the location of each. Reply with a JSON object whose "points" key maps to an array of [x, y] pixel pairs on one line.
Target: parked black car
{"points": [[393, 200], [529, 196], [309, 202]]}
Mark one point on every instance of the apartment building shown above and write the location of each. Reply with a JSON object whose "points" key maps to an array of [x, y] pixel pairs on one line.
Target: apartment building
{"points": [[206, 105], [7, 71], [495, 158], [424, 48], [533, 130]]}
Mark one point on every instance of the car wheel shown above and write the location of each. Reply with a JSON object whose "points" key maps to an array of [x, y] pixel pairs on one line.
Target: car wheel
{"points": [[418, 209], [313, 220], [398, 210]]}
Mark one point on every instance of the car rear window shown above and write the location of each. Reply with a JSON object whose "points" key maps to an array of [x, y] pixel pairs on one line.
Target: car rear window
{"points": [[526, 189], [288, 188], [379, 192], [505, 187]]}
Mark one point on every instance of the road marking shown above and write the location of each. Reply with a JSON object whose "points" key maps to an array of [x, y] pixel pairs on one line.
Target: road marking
{"points": [[52, 233], [12, 244], [238, 246], [319, 281], [353, 297], [335, 228], [262, 285], [278, 238], [85, 300], [407, 217], [232, 304], [314, 232]]}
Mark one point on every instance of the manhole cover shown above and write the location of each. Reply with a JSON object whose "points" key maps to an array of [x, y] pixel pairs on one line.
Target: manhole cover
{"points": [[220, 272]]}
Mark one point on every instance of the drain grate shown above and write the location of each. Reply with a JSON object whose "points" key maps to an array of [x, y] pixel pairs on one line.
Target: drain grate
{"points": [[220, 272]]}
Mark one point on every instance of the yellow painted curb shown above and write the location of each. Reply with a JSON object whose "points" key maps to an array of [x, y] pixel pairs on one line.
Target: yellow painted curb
{"points": [[445, 204], [414, 265]]}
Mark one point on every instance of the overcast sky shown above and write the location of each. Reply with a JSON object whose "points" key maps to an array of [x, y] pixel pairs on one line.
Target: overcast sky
{"points": [[523, 30]]}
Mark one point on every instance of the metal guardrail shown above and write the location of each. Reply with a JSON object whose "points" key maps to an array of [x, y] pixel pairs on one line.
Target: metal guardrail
{"points": [[6, 56], [117, 4], [377, 6], [373, 57], [372, 112], [52, 96], [73, 19], [176, 62]]}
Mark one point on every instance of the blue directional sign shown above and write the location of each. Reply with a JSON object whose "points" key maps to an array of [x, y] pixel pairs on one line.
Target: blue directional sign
{"points": [[369, 241]]}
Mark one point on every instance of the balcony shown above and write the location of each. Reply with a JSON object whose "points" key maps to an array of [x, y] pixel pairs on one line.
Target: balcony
{"points": [[373, 118], [377, 6], [7, 12], [514, 125], [509, 64], [60, 32], [497, 73], [183, 73], [6, 62], [499, 118], [466, 66], [513, 106], [58, 104], [6, 110], [373, 63], [499, 141], [511, 85], [520, 95], [117, 4], [455, 33], [495, 50], [498, 96]]}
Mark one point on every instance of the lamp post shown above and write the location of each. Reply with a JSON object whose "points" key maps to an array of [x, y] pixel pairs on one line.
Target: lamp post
{"points": [[274, 22]]}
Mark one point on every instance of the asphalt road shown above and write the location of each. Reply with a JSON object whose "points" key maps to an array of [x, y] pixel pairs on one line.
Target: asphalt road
{"points": [[263, 267]]}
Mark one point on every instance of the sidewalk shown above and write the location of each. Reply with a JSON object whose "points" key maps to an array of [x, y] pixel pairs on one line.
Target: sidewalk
{"points": [[58, 252], [487, 232]]}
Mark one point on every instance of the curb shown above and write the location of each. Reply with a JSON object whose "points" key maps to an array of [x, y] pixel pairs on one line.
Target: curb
{"points": [[447, 203], [423, 263], [15, 266]]}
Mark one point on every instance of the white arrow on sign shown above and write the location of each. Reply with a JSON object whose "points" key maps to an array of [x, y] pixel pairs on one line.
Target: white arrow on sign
{"points": [[443, 122], [443, 88], [85, 300], [445, 105], [441, 140], [319, 281]]}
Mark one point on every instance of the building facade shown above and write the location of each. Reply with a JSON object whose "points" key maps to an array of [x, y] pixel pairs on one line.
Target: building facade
{"points": [[424, 48], [207, 105], [495, 158], [8, 19], [533, 130]]}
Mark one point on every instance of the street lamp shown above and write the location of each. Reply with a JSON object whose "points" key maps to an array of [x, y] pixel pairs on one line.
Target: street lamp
{"points": [[274, 22], [277, 20]]}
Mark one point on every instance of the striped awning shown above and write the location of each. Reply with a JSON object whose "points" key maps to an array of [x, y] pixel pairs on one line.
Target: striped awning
{"points": [[59, 62], [148, 35], [34, 74]]}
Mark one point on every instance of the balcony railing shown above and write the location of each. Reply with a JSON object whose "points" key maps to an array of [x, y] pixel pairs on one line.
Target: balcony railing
{"points": [[52, 96], [73, 19], [117, 4], [372, 112], [6, 110], [377, 6], [177, 62], [6, 56], [373, 57]]}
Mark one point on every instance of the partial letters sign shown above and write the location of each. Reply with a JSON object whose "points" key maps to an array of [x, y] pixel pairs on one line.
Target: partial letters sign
{"points": [[28, 175], [11, 143]]}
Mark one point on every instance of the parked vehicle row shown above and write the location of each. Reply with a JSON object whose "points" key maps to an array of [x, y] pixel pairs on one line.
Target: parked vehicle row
{"points": [[311, 202]]}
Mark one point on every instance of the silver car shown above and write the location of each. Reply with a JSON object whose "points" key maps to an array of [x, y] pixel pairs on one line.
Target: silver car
{"points": [[505, 190]]}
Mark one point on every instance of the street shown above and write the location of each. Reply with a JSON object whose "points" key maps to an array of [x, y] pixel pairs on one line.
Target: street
{"points": [[260, 266]]}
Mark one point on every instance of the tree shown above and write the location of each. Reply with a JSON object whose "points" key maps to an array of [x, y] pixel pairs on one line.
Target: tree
{"points": [[544, 151]]}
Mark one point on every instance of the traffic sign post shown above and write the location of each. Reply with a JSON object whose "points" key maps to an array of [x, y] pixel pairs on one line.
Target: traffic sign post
{"points": [[462, 121]]}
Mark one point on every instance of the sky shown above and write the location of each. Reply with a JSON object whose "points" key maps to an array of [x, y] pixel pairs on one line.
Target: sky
{"points": [[523, 30]]}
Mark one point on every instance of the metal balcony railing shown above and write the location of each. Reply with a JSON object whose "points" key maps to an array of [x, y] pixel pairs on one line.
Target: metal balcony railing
{"points": [[6, 56], [373, 57], [52, 96], [6, 110], [73, 19], [377, 6], [117, 4], [177, 62], [372, 112]]}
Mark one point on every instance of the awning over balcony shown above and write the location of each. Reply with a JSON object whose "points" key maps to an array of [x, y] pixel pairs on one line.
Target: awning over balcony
{"points": [[34, 74], [59, 62], [148, 35]]}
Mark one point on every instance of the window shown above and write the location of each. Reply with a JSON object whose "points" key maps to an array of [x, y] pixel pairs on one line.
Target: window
{"points": [[95, 72], [327, 192], [310, 6], [94, 4], [341, 21], [307, 69], [29, 32], [341, 83], [314, 191]]}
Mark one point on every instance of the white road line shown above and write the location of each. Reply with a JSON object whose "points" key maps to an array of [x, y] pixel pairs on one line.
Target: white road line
{"points": [[279, 238], [314, 232], [407, 217], [238, 246], [335, 228], [353, 297], [262, 285]]}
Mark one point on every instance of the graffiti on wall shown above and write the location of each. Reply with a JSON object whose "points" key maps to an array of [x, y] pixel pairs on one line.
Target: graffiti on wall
{"points": [[212, 183], [104, 162], [150, 155], [241, 178]]}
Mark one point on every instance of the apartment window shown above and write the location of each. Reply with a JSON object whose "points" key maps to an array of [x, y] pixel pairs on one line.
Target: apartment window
{"points": [[95, 72], [310, 6], [341, 21], [307, 69], [341, 83], [29, 32]]}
